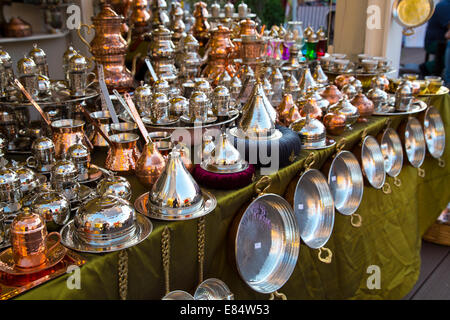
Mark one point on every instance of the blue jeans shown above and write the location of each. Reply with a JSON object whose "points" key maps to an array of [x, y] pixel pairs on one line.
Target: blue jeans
{"points": [[447, 64]]}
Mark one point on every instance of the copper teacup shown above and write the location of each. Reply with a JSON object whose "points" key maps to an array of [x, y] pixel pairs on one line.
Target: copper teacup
{"points": [[29, 240]]}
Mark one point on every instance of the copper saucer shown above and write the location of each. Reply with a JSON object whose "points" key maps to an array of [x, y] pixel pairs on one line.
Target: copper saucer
{"points": [[54, 256]]}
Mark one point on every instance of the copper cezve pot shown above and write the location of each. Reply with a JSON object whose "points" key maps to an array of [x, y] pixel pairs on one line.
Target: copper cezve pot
{"points": [[123, 154], [66, 133]]}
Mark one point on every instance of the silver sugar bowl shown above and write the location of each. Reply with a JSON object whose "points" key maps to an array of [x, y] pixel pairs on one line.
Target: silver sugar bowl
{"points": [[221, 101], [80, 155]]}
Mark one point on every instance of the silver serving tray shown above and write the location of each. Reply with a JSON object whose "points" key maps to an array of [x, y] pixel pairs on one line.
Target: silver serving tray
{"points": [[417, 106], [328, 144], [147, 120], [277, 135], [243, 166], [69, 239], [210, 119], [267, 243], [314, 209], [141, 205]]}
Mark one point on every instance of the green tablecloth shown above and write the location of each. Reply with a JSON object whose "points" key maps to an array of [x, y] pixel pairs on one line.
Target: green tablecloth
{"points": [[390, 237]]}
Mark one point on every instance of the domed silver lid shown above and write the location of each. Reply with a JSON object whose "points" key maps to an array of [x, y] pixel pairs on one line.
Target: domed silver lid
{"points": [[52, 206], [143, 92], [404, 89], [78, 63], [344, 107], [26, 66], [179, 105], [311, 131], [203, 86], [256, 121], [64, 169], [115, 186], [38, 55], [105, 221], [162, 86], [175, 192], [307, 80], [27, 177], [78, 151], [42, 143], [5, 58], [198, 98], [69, 53], [9, 180], [221, 93], [224, 158]]}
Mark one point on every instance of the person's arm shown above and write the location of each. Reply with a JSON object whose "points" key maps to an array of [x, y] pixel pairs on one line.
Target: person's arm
{"points": [[447, 35]]}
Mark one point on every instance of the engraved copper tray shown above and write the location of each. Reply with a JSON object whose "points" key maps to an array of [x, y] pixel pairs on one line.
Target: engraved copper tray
{"points": [[12, 285]]}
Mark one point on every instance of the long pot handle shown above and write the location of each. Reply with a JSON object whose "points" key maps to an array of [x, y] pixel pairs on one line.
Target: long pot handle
{"points": [[136, 117], [32, 101], [96, 126]]}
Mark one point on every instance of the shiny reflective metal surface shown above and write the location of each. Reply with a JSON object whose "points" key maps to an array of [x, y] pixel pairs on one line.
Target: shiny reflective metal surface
{"points": [[178, 295], [312, 132], [115, 186], [224, 158], [434, 131], [52, 206], [267, 243], [314, 209], [346, 182], [372, 162], [176, 195], [414, 142], [142, 229], [391, 147], [213, 289]]}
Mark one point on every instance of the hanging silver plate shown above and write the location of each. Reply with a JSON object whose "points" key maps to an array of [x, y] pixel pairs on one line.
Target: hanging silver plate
{"points": [[434, 131], [266, 243], [314, 209]]}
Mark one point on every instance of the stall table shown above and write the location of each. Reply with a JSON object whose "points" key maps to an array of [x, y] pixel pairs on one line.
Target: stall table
{"points": [[389, 239]]}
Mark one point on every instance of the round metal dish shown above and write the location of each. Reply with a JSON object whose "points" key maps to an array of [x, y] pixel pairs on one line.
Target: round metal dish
{"points": [[416, 107], [314, 209], [276, 135], [267, 243], [142, 206], [434, 132], [328, 144], [346, 183], [178, 295], [420, 11], [414, 141], [239, 167], [171, 121], [372, 162], [213, 289], [70, 240], [208, 121], [54, 256], [392, 150]]}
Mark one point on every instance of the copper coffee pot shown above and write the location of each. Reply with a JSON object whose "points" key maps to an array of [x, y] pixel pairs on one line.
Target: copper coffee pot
{"points": [[220, 49], [66, 132], [123, 152], [109, 48], [151, 163], [365, 106]]}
